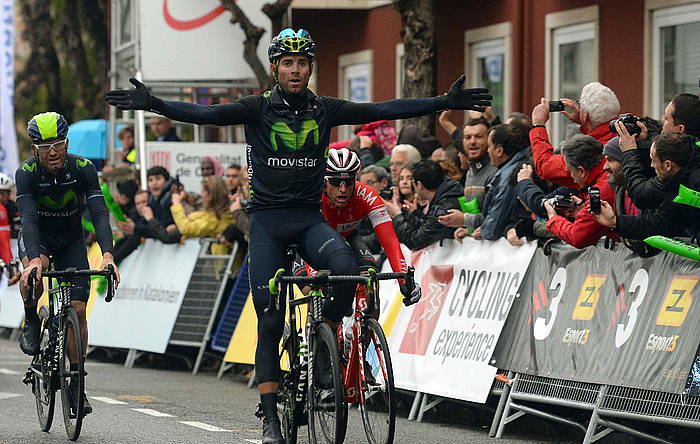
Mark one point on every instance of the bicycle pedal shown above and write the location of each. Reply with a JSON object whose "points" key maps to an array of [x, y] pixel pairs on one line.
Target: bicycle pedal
{"points": [[28, 377]]}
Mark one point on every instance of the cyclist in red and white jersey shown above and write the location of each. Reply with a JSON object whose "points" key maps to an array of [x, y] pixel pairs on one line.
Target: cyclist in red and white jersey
{"points": [[346, 202]]}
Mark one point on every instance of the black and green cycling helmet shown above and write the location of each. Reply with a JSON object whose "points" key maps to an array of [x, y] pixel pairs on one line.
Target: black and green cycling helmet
{"points": [[47, 126], [290, 42]]}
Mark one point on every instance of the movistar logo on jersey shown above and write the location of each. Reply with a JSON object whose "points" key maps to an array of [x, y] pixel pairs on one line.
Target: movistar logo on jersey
{"points": [[68, 198], [82, 162], [294, 141], [291, 163], [29, 167]]}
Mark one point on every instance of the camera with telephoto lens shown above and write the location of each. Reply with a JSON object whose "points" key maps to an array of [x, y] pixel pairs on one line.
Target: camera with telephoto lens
{"points": [[630, 122], [386, 193], [560, 202]]}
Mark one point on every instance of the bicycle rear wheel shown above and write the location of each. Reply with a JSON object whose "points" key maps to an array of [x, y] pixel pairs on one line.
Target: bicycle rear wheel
{"points": [[43, 383], [326, 400], [72, 382], [377, 396]]}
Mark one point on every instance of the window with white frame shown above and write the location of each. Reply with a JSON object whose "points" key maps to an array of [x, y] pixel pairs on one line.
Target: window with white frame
{"points": [[400, 70], [488, 63], [355, 81], [572, 68], [675, 54]]}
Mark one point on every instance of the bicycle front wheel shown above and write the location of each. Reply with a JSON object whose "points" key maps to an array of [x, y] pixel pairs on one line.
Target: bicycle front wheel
{"points": [[43, 383], [288, 407], [326, 400], [72, 381], [377, 396]]}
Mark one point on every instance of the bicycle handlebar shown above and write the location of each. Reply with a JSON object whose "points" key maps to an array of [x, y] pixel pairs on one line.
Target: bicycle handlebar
{"points": [[70, 273]]}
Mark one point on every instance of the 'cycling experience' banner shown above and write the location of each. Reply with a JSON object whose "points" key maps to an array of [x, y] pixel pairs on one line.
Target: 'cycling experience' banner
{"points": [[443, 344], [145, 306], [607, 317]]}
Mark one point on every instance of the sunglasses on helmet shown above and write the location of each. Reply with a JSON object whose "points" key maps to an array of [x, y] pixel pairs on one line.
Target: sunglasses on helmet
{"points": [[289, 34]]}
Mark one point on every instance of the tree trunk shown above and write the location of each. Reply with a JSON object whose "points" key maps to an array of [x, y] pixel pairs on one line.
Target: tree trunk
{"points": [[418, 36]]}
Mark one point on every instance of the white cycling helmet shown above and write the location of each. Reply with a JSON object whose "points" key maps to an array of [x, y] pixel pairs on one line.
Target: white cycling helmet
{"points": [[342, 163], [6, 182]]}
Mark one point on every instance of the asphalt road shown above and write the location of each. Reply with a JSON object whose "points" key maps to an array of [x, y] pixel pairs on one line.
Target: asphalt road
{"points": [[145, 405]]}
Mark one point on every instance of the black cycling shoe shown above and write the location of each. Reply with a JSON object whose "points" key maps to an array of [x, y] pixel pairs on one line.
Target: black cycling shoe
{"points": [[87, 408], [29, 339], [272, 431]]}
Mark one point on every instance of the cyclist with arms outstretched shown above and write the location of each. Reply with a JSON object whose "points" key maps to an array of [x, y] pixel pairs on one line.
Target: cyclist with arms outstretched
{"points": [[51, 188], [287, 130]]}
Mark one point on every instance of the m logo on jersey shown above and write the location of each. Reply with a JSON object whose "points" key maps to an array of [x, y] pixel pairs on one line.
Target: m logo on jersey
{"points": [[68, 198], [293, 140], [29, 167]]}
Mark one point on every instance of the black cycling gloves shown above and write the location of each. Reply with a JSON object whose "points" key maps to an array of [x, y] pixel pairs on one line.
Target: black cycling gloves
{"points": [[410, 295], [471, 98], [139, 98]]}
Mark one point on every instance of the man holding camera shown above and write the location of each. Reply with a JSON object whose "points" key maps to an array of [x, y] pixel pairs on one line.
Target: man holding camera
{"points": [[597, 106], [676, 160], [682, 114], [582, 156]]}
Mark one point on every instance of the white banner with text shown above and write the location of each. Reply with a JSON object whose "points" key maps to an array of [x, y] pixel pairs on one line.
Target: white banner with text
{"points": [[145, 306], [443, 344]]}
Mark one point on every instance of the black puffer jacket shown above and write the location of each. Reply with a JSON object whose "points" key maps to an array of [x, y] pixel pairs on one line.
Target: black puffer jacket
{"points": [[417, 230], [669, 219]]}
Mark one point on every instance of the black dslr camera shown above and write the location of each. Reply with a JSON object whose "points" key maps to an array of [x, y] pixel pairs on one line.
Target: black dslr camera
{"points": [[630, 122], [560, 202]]}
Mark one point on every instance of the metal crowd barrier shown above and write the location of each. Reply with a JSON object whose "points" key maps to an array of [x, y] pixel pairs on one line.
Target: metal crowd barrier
{"points": [[604, 402], [204, 292]]}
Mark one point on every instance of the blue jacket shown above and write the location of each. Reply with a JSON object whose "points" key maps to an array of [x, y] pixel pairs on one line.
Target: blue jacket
{"points": [[500, 199]]}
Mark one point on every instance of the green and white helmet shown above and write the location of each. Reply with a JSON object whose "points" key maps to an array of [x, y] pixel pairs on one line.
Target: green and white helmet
{"points": [[46, 126], [290, 42]]}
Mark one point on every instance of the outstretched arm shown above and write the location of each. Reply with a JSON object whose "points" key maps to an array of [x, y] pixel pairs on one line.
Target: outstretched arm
{"points": [[343, 112], [239, 112]]}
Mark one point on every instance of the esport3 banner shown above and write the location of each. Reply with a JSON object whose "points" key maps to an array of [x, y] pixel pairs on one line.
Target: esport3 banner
{"points": [[607, 317], [443, 344]]}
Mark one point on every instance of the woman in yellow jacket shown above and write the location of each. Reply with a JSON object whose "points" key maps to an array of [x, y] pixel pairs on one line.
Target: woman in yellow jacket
{"points": [[212, 220]]}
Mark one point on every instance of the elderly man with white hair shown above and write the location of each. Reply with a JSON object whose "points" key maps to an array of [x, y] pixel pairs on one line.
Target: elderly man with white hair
{"points": [[400, 156], [597, 106]]}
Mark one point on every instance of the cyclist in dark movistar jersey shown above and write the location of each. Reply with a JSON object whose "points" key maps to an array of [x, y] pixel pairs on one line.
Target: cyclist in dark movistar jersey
{"points": [[51, 188], [287, 130]]}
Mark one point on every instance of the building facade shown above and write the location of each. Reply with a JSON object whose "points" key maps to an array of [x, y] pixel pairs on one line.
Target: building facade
{"points": [[645, 50]]}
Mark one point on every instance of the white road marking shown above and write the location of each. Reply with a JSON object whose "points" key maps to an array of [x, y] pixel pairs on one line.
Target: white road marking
{"points": [[8, 395], [7, 371], [107, 400], [203, 426], [254, 441], [152, 413]]}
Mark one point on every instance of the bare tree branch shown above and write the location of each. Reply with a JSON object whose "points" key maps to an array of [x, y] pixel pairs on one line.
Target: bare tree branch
{"points": [[253, 35], [277, 12]]}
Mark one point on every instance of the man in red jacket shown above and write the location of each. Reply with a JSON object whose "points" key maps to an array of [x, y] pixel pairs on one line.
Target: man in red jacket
{"points": [[597, 106], [582, 156]]}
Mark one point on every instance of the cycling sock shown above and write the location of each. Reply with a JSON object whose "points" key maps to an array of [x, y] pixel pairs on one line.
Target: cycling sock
{"points": [[30, 314], [268, 402]]}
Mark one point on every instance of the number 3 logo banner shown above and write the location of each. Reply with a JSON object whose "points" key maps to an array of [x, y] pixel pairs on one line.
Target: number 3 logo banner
{"points": [[607, 317]]}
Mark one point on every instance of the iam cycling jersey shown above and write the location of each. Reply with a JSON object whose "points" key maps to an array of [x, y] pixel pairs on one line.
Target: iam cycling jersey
{"points": [[365, 202], [51, 206]]}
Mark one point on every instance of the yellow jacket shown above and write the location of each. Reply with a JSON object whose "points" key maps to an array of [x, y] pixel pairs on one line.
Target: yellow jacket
{"points": [[201, 224]]}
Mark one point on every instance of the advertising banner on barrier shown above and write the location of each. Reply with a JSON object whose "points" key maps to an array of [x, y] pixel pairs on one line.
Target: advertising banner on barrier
{"points": [[607, 317], [11, 306], [468, 289], [183, 159], [144, 309]]}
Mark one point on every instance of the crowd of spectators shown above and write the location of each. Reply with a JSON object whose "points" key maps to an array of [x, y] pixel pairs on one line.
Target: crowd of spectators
{"points": [[508, 180]]}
